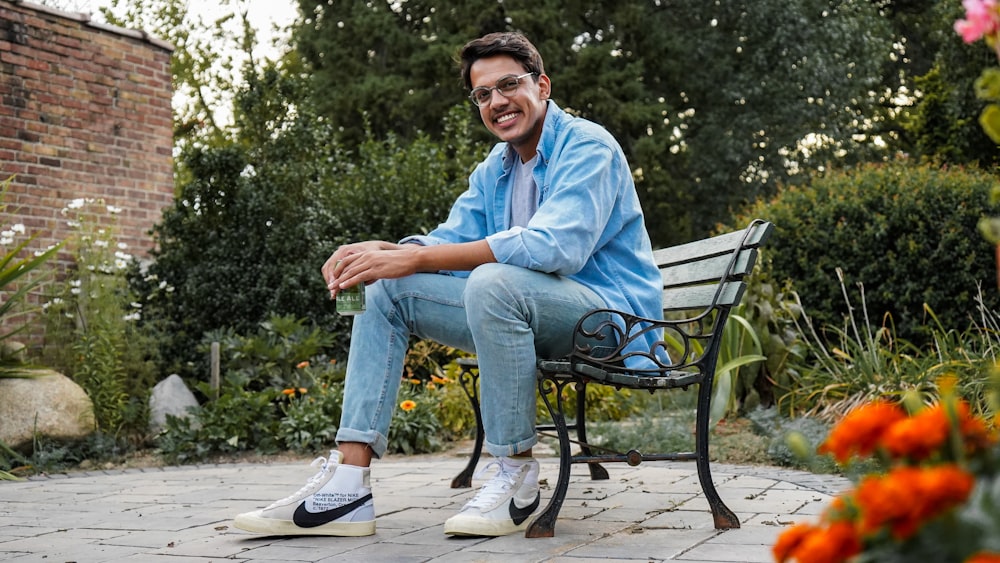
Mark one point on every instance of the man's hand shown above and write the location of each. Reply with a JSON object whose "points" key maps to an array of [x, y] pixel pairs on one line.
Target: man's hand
{"points": [[343, 270], [365, 262]]}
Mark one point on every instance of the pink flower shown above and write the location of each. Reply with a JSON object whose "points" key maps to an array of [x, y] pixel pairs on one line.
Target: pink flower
{"points": [[981, 19]]}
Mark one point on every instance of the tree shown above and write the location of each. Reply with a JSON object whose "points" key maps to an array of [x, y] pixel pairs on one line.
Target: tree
{"points": [[207, 62], [714, 102]]}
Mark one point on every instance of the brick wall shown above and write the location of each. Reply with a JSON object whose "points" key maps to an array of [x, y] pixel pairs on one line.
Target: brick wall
{"points": [[84, 113]]}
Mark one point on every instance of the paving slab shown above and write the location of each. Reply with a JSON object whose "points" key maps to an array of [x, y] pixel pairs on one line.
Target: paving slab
{"points": [[653, 512]]}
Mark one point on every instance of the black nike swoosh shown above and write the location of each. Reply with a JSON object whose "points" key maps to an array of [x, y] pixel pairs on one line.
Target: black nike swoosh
{"points": [[305, 519], [519, 515]]}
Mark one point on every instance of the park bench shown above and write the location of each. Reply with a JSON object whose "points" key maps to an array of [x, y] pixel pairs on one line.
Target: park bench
{"points": [[702, 281]]}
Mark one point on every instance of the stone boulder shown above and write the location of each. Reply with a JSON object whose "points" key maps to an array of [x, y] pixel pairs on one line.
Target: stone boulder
{"points": [[50, 405], [170, 396]]}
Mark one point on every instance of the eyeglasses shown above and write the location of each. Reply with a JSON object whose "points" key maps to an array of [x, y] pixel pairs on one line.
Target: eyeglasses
{"points": [[507, 86]]}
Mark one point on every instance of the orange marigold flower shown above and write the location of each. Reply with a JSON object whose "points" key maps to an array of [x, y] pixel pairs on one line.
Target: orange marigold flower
{"points": [[984, 557], [288, 391], [975, 435], [303, 390], [859, 432], [837, 543], [919, 436], [303, 364], [790, 539], [439, 380], [415, 381], [408, 405], [906, 497]]}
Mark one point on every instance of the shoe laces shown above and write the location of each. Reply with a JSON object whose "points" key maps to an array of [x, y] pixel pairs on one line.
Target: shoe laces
{"points": [[497, 487], [324, 467]]}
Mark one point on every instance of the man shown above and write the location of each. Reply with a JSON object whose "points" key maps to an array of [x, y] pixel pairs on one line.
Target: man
{"points": [[549, 229]]}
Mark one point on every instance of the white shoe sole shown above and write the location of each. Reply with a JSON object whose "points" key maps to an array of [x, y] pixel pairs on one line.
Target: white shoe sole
{"points": [[461, 525], [254, 522]]}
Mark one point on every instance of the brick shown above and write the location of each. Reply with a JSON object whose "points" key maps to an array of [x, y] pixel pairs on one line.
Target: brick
{"points": [[82, 106]]}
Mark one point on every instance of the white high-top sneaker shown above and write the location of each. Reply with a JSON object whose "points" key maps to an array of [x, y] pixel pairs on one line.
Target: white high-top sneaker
{"points": [[337, 501], [506, 504]]}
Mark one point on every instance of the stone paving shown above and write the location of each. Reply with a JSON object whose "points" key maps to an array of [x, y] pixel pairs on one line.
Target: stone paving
{"points": [[652, 512]]}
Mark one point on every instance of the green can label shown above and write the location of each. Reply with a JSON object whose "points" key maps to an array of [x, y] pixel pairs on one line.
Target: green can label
{"points": [[351, 301]]}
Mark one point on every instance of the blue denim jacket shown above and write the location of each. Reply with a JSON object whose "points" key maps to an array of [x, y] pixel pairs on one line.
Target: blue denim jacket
{"points": [[589, 224]]}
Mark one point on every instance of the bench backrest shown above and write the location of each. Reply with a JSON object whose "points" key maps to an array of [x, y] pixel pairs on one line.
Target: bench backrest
{"points": [[692, 272]]}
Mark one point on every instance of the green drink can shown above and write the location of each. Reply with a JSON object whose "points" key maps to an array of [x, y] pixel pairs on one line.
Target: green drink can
{"points": [[351, 300]]}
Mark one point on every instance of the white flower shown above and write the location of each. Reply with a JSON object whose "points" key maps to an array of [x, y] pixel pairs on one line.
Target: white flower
{"points": [[18, 228], [7, 234], [114, 210], [75, 291], [136, 305], [4, 241], [132, 317], [122, 246], [73, 224], [76, 203], [101, 243], [75, 283]]}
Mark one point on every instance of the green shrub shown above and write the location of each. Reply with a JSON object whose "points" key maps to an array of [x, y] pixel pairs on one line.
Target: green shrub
{"points": [[909, 233], [415, 427], [237, 421]]}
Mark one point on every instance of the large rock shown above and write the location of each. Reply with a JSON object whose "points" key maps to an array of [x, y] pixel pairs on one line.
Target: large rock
{"points": [[170, 396], [51, 405]]}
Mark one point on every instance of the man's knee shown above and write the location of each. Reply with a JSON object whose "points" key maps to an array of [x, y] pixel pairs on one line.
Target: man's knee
{"points": [[491, 282]]}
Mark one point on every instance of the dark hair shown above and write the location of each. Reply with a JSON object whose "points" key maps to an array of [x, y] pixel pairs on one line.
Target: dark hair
{"points": [[512, 44]]}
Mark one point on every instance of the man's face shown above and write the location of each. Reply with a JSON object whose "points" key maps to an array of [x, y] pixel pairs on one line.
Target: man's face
{"points": [[516, 119]]}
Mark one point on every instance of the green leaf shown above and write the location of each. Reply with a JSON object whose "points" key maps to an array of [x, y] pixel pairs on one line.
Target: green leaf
{"points": [[990, 121], [990, 228], [987, 86]]}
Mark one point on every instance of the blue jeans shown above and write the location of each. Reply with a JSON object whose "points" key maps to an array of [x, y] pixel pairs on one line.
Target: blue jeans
{"points": [[504, 314]]}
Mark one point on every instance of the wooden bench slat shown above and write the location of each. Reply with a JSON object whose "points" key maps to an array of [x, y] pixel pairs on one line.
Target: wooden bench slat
{"points": [[721, 244], [708, 270], [701, 296]]}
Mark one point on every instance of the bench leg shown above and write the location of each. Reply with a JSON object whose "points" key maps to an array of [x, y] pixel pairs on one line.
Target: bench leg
{"points": [[545, 525], [469, 382], [597, 471], [725, 518]]}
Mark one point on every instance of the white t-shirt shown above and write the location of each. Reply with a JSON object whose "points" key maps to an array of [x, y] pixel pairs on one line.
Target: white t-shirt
{"points": [[524, 198]]}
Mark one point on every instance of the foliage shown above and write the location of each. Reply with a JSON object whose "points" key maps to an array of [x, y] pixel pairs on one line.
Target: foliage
{"points": [[205, 63], [17, 267], [936, 498], [983, 22], [909, 233], [284, 352], [90, 317], [770, 309], [938, 73], [280, 391], [239, 420], [255, 219], [415, 427], [307, 419], [843, 368], [699, 142], [739, 353], [780, 431]]}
